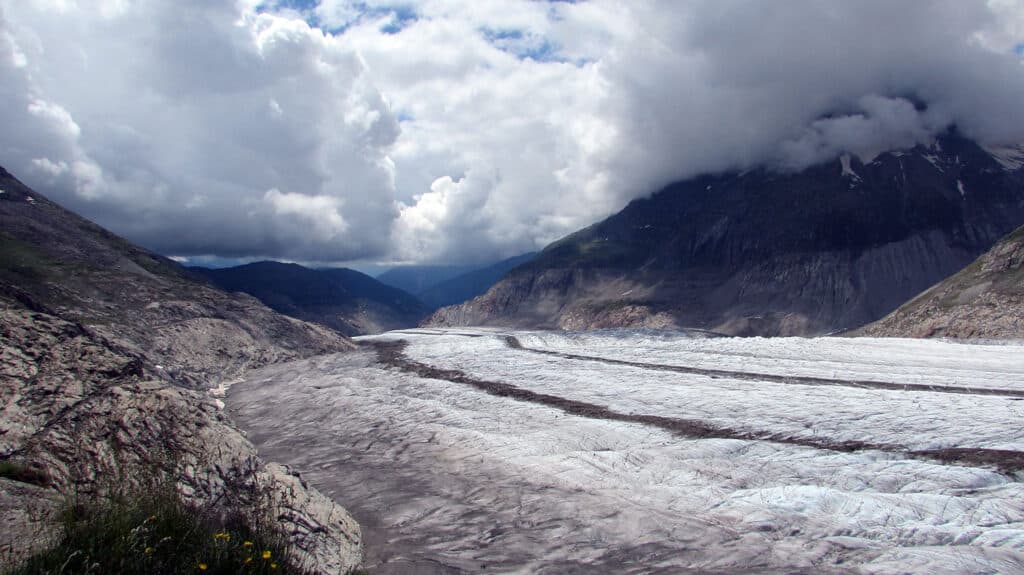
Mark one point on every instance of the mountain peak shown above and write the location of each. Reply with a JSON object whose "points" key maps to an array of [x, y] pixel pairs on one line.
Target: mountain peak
{"points": [[828, 248]]}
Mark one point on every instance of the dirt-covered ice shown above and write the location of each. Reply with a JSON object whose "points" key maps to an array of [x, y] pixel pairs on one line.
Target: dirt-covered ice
{"points": [[461, 452]]}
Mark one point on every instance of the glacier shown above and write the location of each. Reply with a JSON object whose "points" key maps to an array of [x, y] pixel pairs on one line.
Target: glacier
{"points": [[488, 450]]}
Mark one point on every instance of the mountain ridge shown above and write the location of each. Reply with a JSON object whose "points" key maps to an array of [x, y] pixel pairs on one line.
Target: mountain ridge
{"points": [[55, 261], [829, 248], [468, 285], [415, 279], [345, 300]]}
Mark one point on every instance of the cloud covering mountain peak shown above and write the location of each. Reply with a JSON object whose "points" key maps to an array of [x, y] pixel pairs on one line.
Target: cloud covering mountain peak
{"points": [[458, 130]]}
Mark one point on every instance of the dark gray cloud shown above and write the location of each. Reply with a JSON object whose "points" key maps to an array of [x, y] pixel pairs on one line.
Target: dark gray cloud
{"points": [[459, 130]]}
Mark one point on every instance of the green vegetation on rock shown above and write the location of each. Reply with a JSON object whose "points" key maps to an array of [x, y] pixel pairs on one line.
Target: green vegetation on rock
{"points": [[153, 532]]}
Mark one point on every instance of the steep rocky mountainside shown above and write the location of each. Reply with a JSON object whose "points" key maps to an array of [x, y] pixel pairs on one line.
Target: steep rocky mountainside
{"points": [[830, 248], [984, 300], [342, 299], [52, 260], [471, 284], [105, 353]]}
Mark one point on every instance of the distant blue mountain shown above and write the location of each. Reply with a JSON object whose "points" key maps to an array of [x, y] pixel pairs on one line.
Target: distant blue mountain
{"points": [[415, 279], [467, 286], [348, 301]]}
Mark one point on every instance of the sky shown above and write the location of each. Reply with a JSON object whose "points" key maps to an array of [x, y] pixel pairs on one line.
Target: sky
{"points": [[465, 131]]}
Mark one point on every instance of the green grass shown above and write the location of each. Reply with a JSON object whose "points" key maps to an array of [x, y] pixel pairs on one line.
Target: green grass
{"points": [[22, 260], [582, 250], [153, 532]]}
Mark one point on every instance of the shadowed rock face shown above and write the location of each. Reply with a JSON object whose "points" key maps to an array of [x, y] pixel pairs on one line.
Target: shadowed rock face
{"points": [[829, 248], [984, 300], [105, 350]]}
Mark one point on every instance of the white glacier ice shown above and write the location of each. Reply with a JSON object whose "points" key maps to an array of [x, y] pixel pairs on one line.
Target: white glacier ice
{"points": [[449, 475]]}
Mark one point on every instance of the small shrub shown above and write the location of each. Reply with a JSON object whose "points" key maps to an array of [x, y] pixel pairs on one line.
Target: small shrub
{"points": [[153, 532]]}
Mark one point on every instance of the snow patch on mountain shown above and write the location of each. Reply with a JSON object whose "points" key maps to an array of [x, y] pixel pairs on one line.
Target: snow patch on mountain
{"points": [[933, 160], [1010, 157], [847, 168]]}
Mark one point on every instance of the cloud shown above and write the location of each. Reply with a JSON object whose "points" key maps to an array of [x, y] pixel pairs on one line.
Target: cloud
{"points": [[495, 157], [880, 124], [458, 131], [169, 121], [317, 216], [728, 84]]}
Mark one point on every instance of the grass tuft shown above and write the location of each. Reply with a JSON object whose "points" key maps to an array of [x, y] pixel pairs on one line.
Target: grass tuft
{"points": [[154, 532]]}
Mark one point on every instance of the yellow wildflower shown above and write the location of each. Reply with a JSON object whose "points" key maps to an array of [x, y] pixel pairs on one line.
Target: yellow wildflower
{"points": [[247, 544], [222, 535], [248, 560], [266, 554], [149, 550], [202, 566], [273, 565]]}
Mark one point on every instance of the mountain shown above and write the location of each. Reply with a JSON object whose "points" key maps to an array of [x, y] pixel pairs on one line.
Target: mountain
{"points": [[107, 353], [985, 300], [416, 279], [348, 301], [54, 261], [470, 284], [828, 248]]}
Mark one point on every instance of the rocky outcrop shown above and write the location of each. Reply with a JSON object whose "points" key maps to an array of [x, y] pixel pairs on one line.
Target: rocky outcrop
{"points": [[27, 512], [560, 299], [107, 356], [984, 300], [827, 249], [84, 414]]}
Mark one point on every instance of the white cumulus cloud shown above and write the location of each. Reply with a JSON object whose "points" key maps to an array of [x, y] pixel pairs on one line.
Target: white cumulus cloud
{"points": [[460, 131]]}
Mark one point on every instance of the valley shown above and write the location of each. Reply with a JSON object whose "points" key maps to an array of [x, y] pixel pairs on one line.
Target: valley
{"points": [[480, 450], [311, 287]]}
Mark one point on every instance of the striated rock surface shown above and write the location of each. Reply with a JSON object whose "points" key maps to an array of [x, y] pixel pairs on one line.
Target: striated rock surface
{"points": [[26, 515], [830, 248], [984, 300], [107, 353]]}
